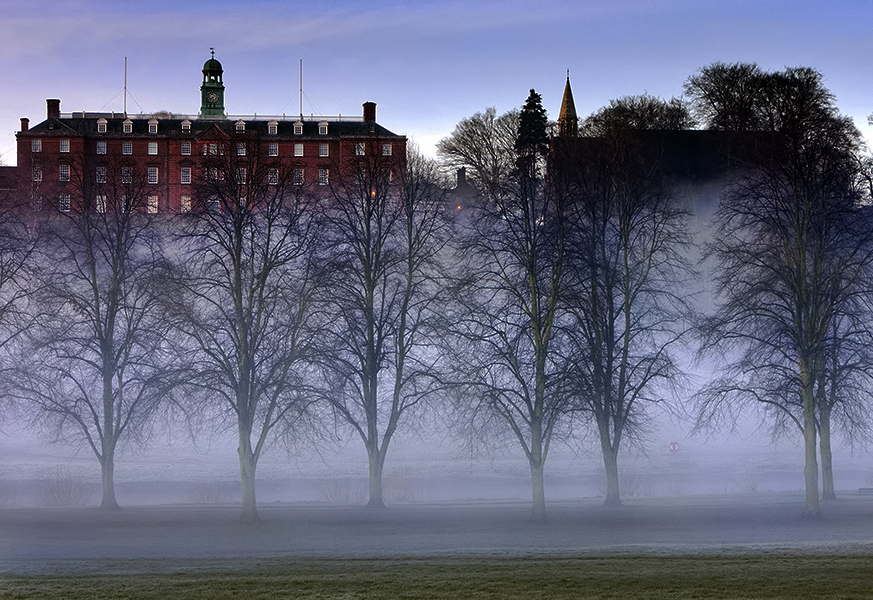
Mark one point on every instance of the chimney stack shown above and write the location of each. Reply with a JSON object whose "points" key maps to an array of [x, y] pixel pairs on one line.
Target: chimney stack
{"points": [[370, 112], [53, 106], [25, 124]]}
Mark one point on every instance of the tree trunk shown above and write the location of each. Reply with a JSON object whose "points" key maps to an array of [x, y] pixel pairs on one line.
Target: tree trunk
{"points": [[810, 468], [107, 468], [247, 465], [376, 461], [827, 462], [539, 490], [610, 462]]}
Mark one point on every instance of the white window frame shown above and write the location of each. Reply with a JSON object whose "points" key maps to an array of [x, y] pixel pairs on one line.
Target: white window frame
{"points": [[186, 148], [126, 174], [324, 150], [360, 149], [63, 172], [298, 128], [240, 149], [299, 176], [101, 147], [273, 149], [387, 150], [185, 203], [153, 126], [100, 174], [322, 128], [186, 125], [101, 126], [64, 146], [153, 175], [100, 203], [128, 126], [323, 176], [36, 173], [239, 126], [152, 204], [273, 127], [64, 203], [273, 176], [153, 148], [241, 174], [298, 149], [185, 177], [36, 145], [127, 148]]}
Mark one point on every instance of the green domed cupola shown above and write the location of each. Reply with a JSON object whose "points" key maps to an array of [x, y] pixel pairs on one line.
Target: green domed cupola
{"points": [[212, 90]]}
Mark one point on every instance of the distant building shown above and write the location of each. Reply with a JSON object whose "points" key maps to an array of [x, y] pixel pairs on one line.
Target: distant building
{"points": [[69, 155]]}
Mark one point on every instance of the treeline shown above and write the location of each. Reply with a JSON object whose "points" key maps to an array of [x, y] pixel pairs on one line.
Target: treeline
{"points": [[556, 302]]}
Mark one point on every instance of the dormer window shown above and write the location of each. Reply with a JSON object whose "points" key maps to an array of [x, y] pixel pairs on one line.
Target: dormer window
{"points": [[186, 125], [273, 127], [322, 128], [128, 126], [153, 125], [101, 126], [298, 128], [240, 126]]}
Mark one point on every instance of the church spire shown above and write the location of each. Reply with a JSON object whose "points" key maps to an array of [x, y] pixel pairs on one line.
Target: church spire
{"points": [[568, 122]]}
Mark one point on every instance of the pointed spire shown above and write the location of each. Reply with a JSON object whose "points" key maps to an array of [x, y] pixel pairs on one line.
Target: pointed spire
{"points": [[568, 122]]}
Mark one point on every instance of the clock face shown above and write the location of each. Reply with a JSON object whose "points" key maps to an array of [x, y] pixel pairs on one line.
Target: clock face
{"points": [[212, 97]]}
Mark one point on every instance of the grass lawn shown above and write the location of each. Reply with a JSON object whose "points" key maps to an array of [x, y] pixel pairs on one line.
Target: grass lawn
{"points": [[766, 575]]}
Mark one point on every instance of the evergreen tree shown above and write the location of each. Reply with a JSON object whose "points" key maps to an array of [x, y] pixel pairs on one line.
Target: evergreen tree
{"points": [[532, 138]]}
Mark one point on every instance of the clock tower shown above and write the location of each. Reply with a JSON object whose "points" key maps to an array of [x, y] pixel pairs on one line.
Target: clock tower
{"points": [[212, 90]]}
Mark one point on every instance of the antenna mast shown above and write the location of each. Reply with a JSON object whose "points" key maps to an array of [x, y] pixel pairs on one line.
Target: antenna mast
{"points": [[301, 89], [125, 86]]}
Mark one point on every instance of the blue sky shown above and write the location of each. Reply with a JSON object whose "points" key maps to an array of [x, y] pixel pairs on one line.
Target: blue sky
{"points": [[427, 63]]}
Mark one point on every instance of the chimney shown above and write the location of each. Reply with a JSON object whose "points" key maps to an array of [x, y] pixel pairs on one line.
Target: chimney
{"points": [[53, 107], [462, 178], [370, 112], [25, 124]]}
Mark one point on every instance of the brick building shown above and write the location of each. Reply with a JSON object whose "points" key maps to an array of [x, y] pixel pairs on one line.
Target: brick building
{"points": [[64, 160]]}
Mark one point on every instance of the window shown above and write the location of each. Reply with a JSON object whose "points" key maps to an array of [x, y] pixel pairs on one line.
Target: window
{"points": [[152, 205], [298, 176], [273, 177], [126, 174], [213, 149], [100, 176], [360, 149], [324, 150], [272, 127], [36, 145], [298, 128], [100, 204], [101, 126], [153, 148], [322, 128], [128, 126], [64, 173], [36, 203], [153, 126], [64, 203], [240, 149], [36, 173], [127, 147], [185, 204], [241, 175], [240, 126], [298, 149], [101, 147], [186, 175], [186, 125], [386, 149], [274, 149], [64, 146], [186, 148], [153, 174], [323, 175]]}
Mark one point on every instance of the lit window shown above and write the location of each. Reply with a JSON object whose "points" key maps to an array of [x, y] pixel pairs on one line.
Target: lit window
{"points": [[101, 126], [360, 149], [241, 175], [126, 174], [152, 206], [298, 176], [185, 204], [64, 203], [153, 174], [101, 175], [240, 126], [100, 204], [273, 177], [322, 128], [153, 147], [36, 173], [323, 150], [64, 173], [186, 175], [101, 147], [386, 149], [272, 127], [153, 126], [323, 176], [298, 149], [36, 145], [64, 146], [240, 149], [127, 147], [186, 125], [298, 128], [186, 148], [128, 126], [274, 149]]}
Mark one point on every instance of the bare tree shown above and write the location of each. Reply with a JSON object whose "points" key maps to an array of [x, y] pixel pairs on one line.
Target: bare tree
{"points": [[794, 253], [384, 233], [243, 297], [95, 358]]}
